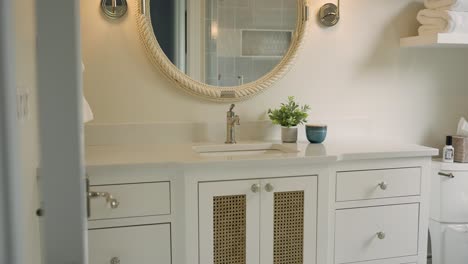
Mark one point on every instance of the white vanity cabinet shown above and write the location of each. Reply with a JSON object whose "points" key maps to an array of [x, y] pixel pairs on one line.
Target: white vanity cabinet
{"points": [[370, 206], [258, 221]]}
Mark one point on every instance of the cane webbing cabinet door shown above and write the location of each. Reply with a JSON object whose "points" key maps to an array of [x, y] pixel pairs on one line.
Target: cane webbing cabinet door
{"points": [[229, 214], [288, 220]]}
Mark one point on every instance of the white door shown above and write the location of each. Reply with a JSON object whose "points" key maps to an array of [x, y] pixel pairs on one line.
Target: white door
{"points": [[229, 222], [62, 181], [10, 178], [288, 220]]}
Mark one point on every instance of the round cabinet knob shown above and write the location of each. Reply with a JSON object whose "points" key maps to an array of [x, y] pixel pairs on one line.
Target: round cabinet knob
{"points": [[383, 185], [114, 203], [269, 187], [255, 188], [115, 260], [381, 235]]}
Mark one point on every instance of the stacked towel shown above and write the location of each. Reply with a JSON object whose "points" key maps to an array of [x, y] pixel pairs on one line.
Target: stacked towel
{"points": [[442, 21], [444, 16], [453, 5]]}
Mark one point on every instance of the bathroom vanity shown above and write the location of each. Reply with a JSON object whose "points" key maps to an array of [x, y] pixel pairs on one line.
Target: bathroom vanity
{"points": [[259, 203]]}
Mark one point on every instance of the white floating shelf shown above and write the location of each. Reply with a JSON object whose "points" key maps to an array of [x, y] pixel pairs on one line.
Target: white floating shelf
{"points": [[436, 40]]}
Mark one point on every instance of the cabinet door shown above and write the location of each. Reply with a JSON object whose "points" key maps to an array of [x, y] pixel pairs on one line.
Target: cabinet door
{"points": [[288, 220], [229, 222], [150, 244]]}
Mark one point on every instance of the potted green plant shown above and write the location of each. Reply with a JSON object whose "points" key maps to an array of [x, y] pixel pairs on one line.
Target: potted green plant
{"points": [[289, 116]]}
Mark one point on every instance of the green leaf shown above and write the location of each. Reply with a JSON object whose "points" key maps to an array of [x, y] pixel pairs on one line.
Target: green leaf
{"points": [[289, 114]]}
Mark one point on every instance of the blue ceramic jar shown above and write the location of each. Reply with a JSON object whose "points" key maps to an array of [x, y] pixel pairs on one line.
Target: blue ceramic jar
{"points": [[316, 134]]}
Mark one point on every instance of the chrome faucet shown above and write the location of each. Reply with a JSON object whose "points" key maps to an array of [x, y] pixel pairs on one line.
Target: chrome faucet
{"points": [[231, 121]]}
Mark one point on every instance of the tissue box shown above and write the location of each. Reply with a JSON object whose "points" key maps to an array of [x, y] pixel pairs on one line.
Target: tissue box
{"points": [[461, 149]]}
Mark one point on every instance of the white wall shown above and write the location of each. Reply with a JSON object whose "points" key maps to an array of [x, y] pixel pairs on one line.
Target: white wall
{"points": [[355, 71], [26, 80]]}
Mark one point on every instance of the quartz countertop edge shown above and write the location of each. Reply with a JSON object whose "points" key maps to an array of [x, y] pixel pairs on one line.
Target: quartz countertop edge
{"points": [[170, 156]]}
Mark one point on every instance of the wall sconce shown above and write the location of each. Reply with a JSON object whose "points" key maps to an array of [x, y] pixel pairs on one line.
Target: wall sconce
{"points": [[114, 8], [329, 14]]}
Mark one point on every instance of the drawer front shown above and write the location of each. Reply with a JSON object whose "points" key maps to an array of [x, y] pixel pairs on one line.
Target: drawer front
{"points": [[373, 184], [141, 244], [357, 235], [145, 199]]}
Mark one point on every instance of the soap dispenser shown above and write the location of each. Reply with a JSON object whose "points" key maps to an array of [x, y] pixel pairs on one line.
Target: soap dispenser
{"points": [[448, 152]]}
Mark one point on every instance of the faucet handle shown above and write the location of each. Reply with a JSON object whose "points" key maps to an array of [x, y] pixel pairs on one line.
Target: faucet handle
{"points": [[237, 120]]}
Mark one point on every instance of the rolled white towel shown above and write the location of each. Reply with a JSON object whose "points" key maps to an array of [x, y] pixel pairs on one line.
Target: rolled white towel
{"points": [[87, 112], [442, 21], [453, 5]]}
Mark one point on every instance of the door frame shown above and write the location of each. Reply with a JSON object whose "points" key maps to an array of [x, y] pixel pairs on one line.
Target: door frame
{"points": [[61, 175], [10, 180]]}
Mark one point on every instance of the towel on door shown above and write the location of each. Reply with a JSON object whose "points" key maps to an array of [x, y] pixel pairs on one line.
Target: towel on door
{"points": [[453, 5], [87, 112], [442, 21]]}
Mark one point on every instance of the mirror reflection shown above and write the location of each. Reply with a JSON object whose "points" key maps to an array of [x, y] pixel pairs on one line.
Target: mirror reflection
{"points": [[224, 42]]}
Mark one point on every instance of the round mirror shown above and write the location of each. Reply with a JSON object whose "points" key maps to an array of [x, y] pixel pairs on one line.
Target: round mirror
{"points": [[222, 50]]}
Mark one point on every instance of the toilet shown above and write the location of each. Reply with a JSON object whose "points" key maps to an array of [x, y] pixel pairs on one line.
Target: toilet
{"points": [[448, 225]]}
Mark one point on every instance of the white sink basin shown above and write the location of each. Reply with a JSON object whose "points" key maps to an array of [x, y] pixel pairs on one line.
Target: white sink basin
{"points": [[242, 149]]}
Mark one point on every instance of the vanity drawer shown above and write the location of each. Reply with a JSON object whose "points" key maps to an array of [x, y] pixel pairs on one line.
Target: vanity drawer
{"points": [[142, 199], [360, 241], [373, 184], [149, 244]]}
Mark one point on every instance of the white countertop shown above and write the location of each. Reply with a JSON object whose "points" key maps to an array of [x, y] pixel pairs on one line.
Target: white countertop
{"points": [[184, 154]]}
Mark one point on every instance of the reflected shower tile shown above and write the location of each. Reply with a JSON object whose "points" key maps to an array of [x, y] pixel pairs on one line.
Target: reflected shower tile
{"points": [[289, 18], [213, 82], [229, 43], [234, 3], [289, 3], [267, 18], [265, 43], [244, 18], [268, 3], [215, 11], [244, 68], [208, 9], [262, 66], [226, 66], [211, 65], [229, 81], [226, 17]]}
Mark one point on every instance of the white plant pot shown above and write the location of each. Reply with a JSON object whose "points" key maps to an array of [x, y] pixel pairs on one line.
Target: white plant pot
{"points": [[289, 134]]}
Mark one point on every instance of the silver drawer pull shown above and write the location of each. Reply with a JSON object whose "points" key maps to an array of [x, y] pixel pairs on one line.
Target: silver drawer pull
{"points": [[115, 260], [383, 185], [449, 175], [255, 188], [269, 187], [381, 235], [109, 198]]}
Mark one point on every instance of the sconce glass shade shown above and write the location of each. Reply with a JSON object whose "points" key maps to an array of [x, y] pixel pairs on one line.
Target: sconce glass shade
{"points": [[114, 8]]}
